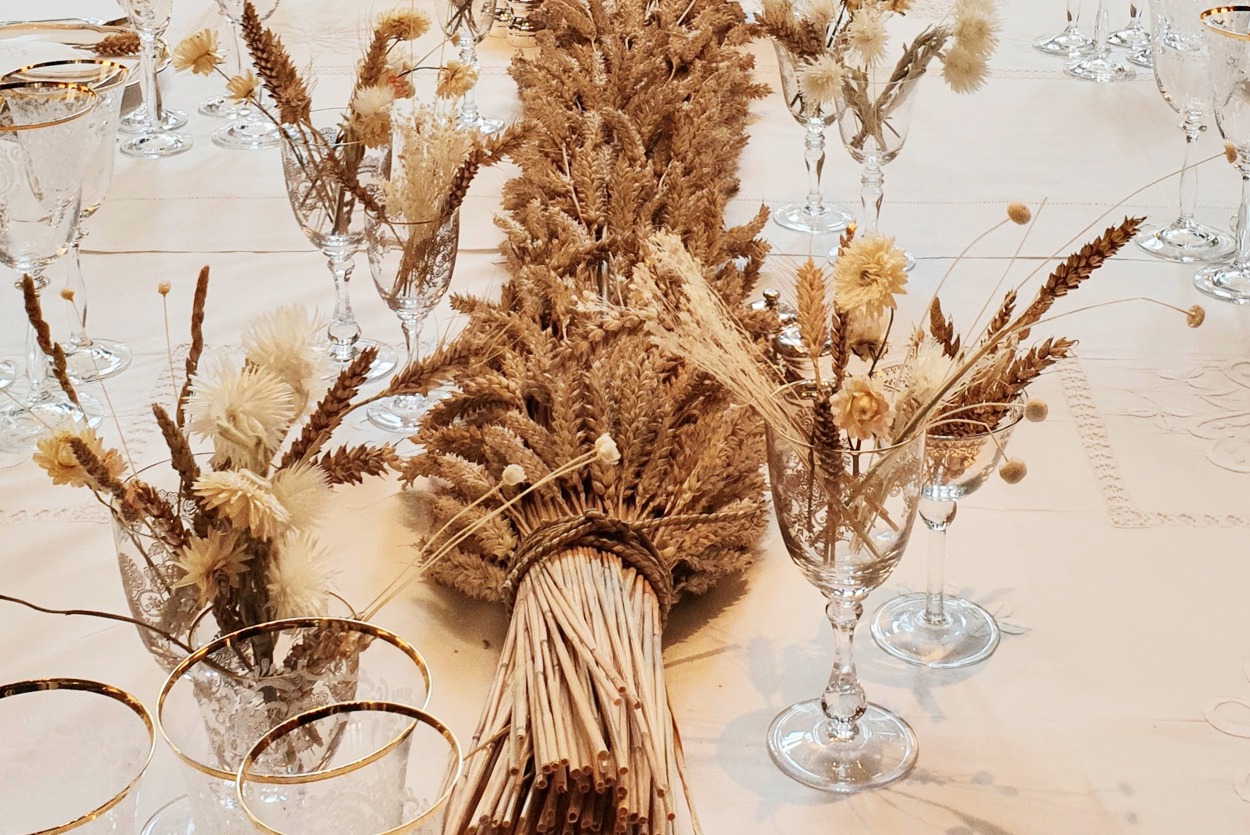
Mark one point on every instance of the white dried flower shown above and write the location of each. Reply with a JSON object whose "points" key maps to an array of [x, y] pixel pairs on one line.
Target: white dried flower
{"points": [[302, 490], [868, 274], [866, 35], [371, 114], [930, 369], [298, 579], [245, 499], [820, 12], [513, 474], [820, 81], [964, 70], [244, 412], [607, 450], [861, 410], [212, 562], [975, 26], [287, 342]]}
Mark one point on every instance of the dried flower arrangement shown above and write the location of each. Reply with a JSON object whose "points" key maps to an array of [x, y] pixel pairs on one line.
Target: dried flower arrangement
{"points": [[839, 47], [635, 116]]}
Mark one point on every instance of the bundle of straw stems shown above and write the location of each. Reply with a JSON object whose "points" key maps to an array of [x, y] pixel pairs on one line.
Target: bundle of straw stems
{"points": [[577, 735]]}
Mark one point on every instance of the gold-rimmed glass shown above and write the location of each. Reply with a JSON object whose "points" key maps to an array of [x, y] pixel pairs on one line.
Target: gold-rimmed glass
{"points": [[156, 139]]}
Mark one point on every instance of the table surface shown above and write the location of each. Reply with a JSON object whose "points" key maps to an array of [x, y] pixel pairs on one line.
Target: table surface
{"points": [[1118, 568]]}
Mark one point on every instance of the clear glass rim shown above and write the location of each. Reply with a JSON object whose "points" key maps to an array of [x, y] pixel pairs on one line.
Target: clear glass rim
{"points": [[87, 92], [419, 717], [99, 688], [1015, 413], [1217, 25], [111, 74], [202, 654]]}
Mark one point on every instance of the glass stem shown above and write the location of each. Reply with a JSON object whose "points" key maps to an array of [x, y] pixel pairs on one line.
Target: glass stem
{"points": [[468, 56], [1101, 21], [871, 192], [814, 156], [412, 332], [937, 517], [843, 701], [344, 330], [77, 307], [1242, 259], [36, 362], [1074, 15], [147, 79], [1189, 176], [1134, 16]]}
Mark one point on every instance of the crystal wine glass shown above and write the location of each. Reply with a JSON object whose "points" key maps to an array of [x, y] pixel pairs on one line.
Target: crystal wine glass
{"points": [[467, 22], [8, 373], [44, 146], [812, 215], [1071, 41], [874, 124], [1098, 66], [89, 359], [411, 265], [845, 544], [334, 220], [931, 628], [150, 18], [1180, 69], [1227, 32], [248, 130], [1133, 37]]}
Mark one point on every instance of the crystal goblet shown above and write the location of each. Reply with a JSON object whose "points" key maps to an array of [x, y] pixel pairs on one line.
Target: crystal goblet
{"points": [[466, 23], [332, 217], [1069, 42], [1180, 70], [411, 264], [72, 752], [873, 124], [248, 130], [150, 19], [932, 628], [1133, 37], [89, 359], [44, 146], [1098, 65], [1227, 32], [845, 539], [812, 215]]}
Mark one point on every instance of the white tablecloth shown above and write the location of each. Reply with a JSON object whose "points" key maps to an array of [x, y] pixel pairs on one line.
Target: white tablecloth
{"points": [[1119, 568]]}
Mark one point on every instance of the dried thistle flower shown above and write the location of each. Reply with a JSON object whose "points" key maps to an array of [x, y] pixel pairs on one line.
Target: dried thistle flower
{"points": [[286, 342], [371, 115], [212, 561], [454, 80], [820, 81], [1195, 316], [965, 71], [1013, 471], [297, 580], [197, 52], [1019, 213], [55, 455], [245, 499], [245, 412], [868, 274], [866, 34], [861, 409], [975, 26], [513, 474], [241, 88], [402, 24], [606, 449], [1036, 410], [303, 491]]}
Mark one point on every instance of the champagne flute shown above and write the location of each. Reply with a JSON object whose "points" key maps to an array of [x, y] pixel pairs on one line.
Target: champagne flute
{"points": [[89, 359], [1227, 32], [248, 130], [1098, 66], [466, 23], [1181, 72], [150, 19], [1071, 41]]}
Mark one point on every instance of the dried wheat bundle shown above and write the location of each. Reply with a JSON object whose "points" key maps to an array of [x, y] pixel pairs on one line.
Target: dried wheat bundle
{"points": [[635, 116]]}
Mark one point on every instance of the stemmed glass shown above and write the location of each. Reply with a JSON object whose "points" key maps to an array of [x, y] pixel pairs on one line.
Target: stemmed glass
{"points": [[873, 121], [412, 264], [44, 145], [1180, 69], [1098, 66], [248, 130], [846, 545], [1227, 31], [334, 220], [812, 215], [89, 359], [150, 18], [931, 628], [1133, 37], [467, 22], [1071, 41]]}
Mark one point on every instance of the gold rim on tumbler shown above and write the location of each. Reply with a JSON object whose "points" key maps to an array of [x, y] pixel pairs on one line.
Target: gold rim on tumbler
{"points": [[1241, 36], [88, 97]]}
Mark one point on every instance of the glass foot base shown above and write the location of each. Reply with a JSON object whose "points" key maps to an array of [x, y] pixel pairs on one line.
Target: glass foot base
{"points": [[1227, 282], [970, 634], [1100, 70], [220, 107], [383, 363], [1131, 39], [796, 216], [136, 121], [400, 414], [156, 145], [243, 135], [8, 373], [1186, 243], [1069, 42], [485, 124], [100, 360], [883, 751], [174, 818], [22, 424], [1142, 58]]}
